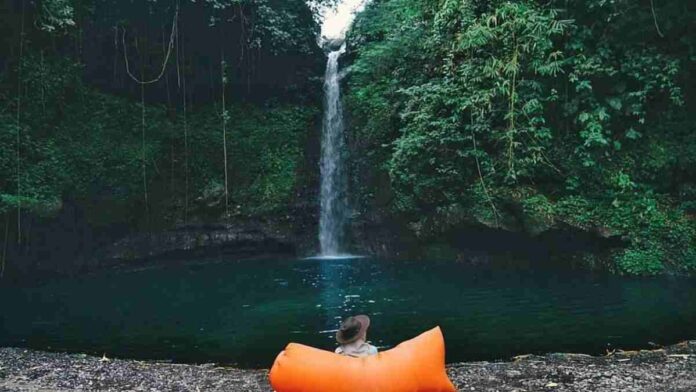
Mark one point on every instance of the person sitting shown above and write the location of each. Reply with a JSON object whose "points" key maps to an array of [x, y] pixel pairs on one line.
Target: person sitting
{"points": [[352, 337]]}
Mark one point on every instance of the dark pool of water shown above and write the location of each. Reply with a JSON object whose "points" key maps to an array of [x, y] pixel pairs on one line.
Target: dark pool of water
{"points": [[243, 313]]}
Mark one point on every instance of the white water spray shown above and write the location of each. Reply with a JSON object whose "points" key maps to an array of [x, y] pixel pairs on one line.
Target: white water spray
{"points": [[334, 183], [333, 217]]}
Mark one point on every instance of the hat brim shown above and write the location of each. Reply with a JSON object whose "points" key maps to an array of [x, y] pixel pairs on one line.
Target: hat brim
{"points": [[364, 325]]}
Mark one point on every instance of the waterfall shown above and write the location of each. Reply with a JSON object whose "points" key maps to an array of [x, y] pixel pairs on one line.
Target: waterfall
{"points": [[334, 183]]}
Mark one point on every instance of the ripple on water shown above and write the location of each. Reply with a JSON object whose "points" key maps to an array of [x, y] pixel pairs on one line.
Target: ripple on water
{"points": [[249, 311]]}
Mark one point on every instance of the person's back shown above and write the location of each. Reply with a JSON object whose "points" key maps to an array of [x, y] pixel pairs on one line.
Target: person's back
{"points": [[357, 349], [352, 337]]}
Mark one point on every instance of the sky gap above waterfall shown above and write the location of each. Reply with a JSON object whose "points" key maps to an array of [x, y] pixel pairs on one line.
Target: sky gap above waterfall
{"points": [[336, 19]]}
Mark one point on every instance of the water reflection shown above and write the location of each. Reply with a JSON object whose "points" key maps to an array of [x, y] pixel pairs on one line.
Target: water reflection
{"points": [[246, 312]]}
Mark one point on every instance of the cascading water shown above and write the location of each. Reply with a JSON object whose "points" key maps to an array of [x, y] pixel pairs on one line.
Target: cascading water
{"points": [[334, 205], [337, 18]]}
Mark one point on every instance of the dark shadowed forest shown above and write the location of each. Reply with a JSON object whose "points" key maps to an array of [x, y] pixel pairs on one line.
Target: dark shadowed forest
{"points": [[522, 120], [140, 115]]}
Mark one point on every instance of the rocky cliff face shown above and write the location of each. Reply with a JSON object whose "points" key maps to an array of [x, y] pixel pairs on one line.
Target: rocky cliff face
{"points": [[289, 233], [242, 238], [69, 243]]}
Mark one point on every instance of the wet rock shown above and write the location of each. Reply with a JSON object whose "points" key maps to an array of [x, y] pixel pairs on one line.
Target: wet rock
{"points": [[239, 238], [333, 44]]}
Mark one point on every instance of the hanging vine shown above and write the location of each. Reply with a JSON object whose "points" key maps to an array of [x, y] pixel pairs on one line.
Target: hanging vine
{"points": [[43, 86], [511, 129], [478, 168], [4, 246], [657, 26], [223, 80], [19, 127], [178, 72], [186, 146], [142, 82], [166, 59], [166, 75], [142, 134]]}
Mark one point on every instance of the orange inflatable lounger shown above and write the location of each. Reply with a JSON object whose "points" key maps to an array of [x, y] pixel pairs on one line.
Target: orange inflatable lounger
{"points": [[416, 365]]}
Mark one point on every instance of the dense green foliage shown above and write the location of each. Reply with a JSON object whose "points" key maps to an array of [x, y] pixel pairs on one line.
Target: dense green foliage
{"points": [[73, 127], [88, 143], [531, 113], [521, 115]]}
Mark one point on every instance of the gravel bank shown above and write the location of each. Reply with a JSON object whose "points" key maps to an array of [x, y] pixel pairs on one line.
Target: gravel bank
{"points": [[670, 369]]}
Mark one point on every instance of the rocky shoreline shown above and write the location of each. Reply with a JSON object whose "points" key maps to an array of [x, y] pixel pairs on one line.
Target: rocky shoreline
{"points": [[667, 369]]}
